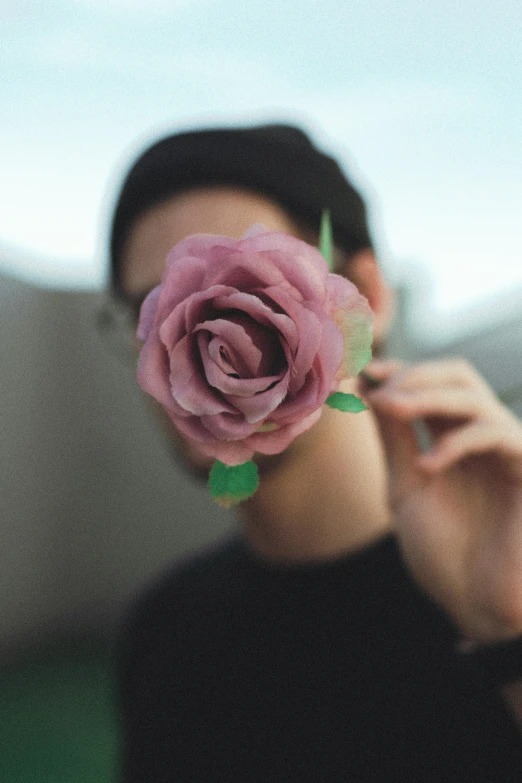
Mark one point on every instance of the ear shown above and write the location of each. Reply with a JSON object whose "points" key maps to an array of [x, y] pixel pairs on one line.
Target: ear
{"points": [[363, 270]]}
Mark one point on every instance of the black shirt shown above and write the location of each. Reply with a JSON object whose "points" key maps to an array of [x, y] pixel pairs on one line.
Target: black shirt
{"points": [[235, 669]]}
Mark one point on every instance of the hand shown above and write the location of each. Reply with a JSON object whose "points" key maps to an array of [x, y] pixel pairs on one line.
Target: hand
{"points": [[458, 506]]}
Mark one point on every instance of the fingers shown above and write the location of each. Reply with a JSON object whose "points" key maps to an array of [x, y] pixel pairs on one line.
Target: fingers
{"points": [[463, 414], [447, 389], [475, 439], [454, 372], [413, 403]]}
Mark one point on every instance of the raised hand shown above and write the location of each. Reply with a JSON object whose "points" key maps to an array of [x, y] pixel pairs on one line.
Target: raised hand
{"points": [[457, 506]]}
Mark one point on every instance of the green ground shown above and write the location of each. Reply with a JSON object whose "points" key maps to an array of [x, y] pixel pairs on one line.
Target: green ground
{"points": [[57, 717]]}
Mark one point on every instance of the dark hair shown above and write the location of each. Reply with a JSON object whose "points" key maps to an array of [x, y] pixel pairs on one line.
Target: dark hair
{"points": [[278, 161]]}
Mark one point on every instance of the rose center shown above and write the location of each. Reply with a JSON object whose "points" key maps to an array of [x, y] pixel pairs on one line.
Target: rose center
{"points": [[225, 356]]}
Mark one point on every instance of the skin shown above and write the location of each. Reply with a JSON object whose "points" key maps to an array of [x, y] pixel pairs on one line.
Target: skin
{"points": [[456, 509]]}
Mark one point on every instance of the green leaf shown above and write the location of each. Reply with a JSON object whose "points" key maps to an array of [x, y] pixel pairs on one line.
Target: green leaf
{"points": [[348, 403], [230, 485], [326, 238]]}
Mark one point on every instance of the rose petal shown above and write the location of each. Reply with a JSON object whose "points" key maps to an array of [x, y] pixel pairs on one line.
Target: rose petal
{"points": [[250, 346], [358, 343], [227, 426], [308, 326], [328, 358], [277, 441], [201, 306], [257, 407], [301, 265], [233, 452], [241, 387], [260, 312], [173, 329], [203, 247], [184, 317], [221, 353], [188, 386], [153, 371], [247, 272], [148, 313], [183, 279], [295, 407], [352, 313]]}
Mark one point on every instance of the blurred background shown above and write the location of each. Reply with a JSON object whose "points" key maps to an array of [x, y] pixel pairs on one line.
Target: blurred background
{"points": [[420, 103]]}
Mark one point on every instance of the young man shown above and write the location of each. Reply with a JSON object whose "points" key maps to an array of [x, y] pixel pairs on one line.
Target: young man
{"points": [[362, 623]]}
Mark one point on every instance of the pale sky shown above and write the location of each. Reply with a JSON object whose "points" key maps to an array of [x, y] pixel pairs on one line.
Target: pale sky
{"points": [[421, 102]]}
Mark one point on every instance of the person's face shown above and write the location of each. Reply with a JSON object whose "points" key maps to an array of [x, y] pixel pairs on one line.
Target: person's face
{"points": [[226, 211]]}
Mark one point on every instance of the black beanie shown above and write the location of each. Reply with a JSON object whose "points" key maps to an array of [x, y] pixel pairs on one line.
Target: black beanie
{"points": [[278, 161]]}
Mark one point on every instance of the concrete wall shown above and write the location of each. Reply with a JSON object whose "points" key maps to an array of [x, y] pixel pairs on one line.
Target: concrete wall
{"points": [[92, 502]]}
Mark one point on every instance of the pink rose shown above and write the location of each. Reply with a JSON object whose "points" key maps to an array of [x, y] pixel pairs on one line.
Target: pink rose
{"points": [[244, 340]]}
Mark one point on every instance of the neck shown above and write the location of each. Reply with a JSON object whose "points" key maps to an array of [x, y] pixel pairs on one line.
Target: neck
{"points": [[327, 495]]}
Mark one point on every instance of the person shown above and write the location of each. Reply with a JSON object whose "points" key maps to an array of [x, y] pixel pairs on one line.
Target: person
{"points": [[364, 621]]}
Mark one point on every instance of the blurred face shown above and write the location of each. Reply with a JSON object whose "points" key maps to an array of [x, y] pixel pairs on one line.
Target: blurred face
{"points": [[227, 211]]}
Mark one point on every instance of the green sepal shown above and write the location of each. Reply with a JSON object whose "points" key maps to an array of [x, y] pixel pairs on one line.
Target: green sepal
{"points": [[348, 403], [326, 238], [230, 485]]}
